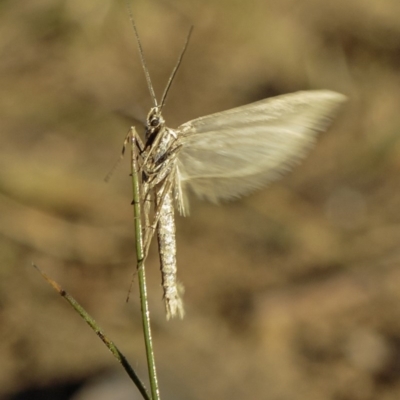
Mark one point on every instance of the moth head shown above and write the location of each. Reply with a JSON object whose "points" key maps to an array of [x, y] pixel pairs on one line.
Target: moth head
{"points": [[155, 121]]}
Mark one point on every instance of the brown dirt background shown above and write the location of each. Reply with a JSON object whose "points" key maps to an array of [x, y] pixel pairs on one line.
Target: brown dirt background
{"points": [[291, 293]]}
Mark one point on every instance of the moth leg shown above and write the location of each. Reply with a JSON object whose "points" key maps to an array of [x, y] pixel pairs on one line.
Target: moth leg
{"points": [[134, 136], [155, 174], [138, 142], [146, 213], [151, 150], [156, 143], [150, 229], [166, 186]]}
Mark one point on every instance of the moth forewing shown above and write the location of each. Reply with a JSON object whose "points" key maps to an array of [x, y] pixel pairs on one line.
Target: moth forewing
{"points": [[231, 153]]}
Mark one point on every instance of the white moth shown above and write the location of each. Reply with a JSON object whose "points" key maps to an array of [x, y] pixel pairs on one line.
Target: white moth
{"points": [[222, 156]]}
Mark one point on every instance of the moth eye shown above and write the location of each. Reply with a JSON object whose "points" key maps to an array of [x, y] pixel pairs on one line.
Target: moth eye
{"points": [[154, 121]]}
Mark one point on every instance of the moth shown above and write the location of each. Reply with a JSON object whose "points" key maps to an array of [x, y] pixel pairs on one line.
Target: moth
{"points": [[218, 157]]}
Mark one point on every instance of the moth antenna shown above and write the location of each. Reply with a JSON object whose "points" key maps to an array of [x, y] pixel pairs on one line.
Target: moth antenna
{"points": [[145, 69], [171, 78]]}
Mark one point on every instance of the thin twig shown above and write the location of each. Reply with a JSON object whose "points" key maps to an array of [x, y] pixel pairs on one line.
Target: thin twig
{"points": [[140, 256], [99, 332]]}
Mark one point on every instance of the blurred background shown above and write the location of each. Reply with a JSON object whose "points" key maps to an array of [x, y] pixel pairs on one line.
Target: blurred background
{"points": [[291, 293]]}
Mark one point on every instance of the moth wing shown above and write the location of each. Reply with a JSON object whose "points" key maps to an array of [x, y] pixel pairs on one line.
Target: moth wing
{"points": [[231, 153]]}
